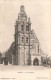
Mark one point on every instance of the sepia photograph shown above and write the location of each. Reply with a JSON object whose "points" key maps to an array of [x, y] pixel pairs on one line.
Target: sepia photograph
{"points": [[25, 39]]}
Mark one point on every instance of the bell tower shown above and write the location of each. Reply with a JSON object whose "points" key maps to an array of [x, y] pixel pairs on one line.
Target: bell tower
{"points": [[22, 38]]}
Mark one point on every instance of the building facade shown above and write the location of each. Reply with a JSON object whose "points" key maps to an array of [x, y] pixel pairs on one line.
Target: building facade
{"points": [[27, 49]]}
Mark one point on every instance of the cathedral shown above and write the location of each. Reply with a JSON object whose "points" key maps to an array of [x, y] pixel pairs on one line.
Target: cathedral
{"points": [[25, 50], [26, 44]]}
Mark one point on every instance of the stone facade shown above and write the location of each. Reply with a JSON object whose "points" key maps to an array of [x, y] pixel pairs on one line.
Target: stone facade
{"points": [[35, 50], [22, 38], [27, 50]]}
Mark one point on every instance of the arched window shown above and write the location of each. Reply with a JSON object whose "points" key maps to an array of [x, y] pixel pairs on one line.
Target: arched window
{"points": [[38, 48], [22, 27], [26, 39], [22, 39], [27, 28]]}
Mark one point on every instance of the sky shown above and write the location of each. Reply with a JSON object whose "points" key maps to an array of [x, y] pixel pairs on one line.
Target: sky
{"points": [[39, 12]]}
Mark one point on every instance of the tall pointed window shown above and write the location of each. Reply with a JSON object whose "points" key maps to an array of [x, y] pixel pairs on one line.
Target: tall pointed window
{"points": [[22, 39], [22, 27], [38, 48], [27, 28], [26, 39]]}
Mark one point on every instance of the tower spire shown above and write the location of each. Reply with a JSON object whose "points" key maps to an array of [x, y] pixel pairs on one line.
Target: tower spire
{"points": [[22, 9]]}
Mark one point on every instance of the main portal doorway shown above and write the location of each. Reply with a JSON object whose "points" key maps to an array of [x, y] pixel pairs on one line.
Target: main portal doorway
{"points": [[36, 62]]}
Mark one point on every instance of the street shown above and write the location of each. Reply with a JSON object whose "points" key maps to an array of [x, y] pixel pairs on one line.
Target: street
{"points": [[15, 67]]}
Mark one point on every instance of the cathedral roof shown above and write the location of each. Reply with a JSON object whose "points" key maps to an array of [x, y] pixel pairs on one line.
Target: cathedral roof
{"points": [[34, 36], [12, 45], [11, 48]]}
